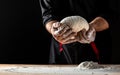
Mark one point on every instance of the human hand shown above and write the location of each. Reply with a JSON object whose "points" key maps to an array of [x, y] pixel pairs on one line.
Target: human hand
{"points": [[86, 36], [63, 33], [97, 25], [66, 30]]}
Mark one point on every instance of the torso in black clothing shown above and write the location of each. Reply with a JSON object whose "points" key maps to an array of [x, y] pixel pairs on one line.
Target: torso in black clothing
{"points": [[89, 9]]}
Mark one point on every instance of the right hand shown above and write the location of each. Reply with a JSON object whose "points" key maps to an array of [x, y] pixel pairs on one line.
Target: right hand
{"points": [[63, 33]]}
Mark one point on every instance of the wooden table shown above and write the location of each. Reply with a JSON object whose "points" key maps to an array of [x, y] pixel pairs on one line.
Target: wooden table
{"points": [[32, 69]]}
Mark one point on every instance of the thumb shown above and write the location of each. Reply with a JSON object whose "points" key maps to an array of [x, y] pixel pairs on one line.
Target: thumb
{"points": [[56, 25]]}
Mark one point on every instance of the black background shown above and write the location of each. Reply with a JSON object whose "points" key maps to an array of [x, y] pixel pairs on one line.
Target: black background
{"points": [[23, 38]]}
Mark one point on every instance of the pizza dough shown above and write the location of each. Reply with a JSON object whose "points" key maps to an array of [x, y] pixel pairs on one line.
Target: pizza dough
{"points": [[77, 23]]}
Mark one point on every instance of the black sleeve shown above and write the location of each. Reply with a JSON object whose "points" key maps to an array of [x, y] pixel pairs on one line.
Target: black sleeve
{"points": [[46, 9], [53, 9]]}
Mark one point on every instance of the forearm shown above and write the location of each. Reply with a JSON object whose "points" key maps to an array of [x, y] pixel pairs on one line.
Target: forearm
{"points": [[99, 24]]}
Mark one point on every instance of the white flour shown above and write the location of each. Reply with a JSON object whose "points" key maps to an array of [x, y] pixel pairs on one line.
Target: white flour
{"points": [[84, 68], [90, 65]]}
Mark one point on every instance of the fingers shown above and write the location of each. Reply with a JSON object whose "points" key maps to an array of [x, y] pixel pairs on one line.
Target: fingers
{"points": [[82, 38], [56, 28], [70, 38], [67, 33], [91, 34], [59, 29], [83, 34], [56, 24], [63, 33], [86, 36]]}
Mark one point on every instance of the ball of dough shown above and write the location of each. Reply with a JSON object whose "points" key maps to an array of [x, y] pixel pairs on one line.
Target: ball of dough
{"points": [[77, 23]]}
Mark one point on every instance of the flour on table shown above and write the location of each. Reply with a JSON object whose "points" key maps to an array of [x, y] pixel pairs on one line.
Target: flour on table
{"points": [[90, 65]]}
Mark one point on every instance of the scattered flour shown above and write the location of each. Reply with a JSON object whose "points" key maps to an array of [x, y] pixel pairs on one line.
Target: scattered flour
{"points": [[84, 68], [91, 65]]}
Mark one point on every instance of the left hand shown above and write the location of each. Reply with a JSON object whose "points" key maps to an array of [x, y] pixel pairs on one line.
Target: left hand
{"points": [[86, 36]]}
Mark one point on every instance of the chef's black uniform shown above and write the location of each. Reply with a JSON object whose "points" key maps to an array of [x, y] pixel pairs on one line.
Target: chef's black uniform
{"points": [[75, 53]]}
